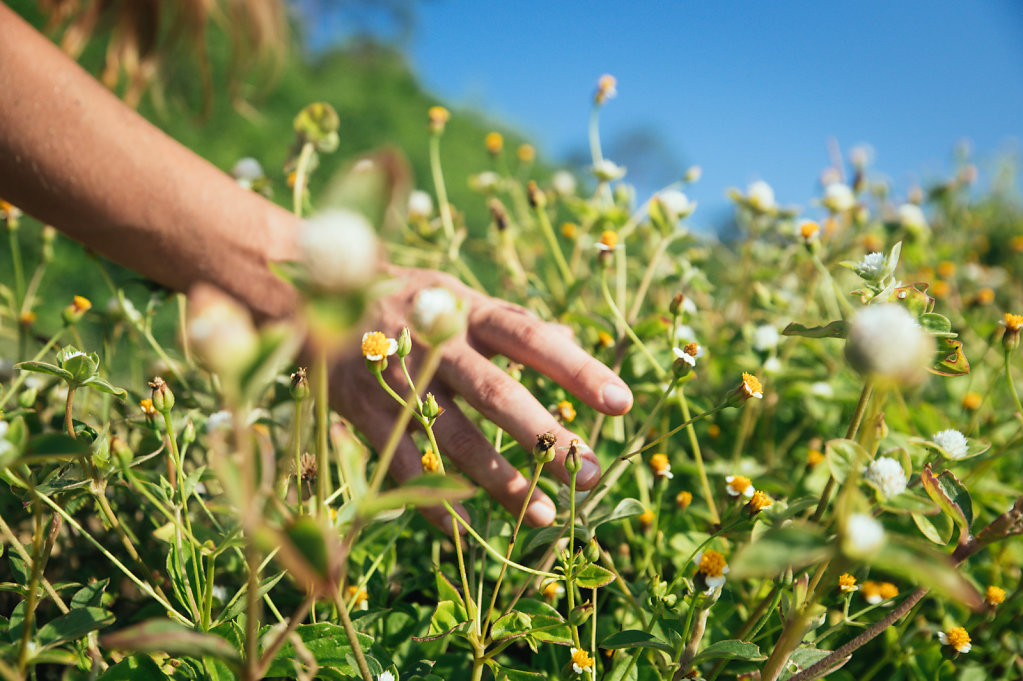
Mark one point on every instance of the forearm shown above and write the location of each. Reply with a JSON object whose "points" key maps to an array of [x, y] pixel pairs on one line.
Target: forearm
{"points": [[74, 156]]}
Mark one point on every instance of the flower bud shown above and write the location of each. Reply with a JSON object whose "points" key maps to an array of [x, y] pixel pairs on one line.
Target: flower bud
{"points": [[188, 433], [592, 551], [299, 385], [750, 387], [76, 310], [163, 398], [220, 330], [573, 462], [886, 341], [48, 235], [1010, 338], [437, 314], [543, 451], [437, 118], [498, 214], [580, 614], [494, 142], [537, 199], [318, 124], [340, 250], [675, 306], [431, 409], [693, 174]]}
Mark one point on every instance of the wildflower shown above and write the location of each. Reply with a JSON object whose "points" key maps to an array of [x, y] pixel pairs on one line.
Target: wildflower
{"points": [[606, 171], [526, 153], [872, 242], [873, 267], [888, 590], [675, 203], [385, 676], [582, 663], [299, 385], [952, 443], [76, 310], [27, 318], [864, 535], [163, 398], [946, 269], [714, 430], [437, 117], [994, 595], [566, 412], [430, 461], [886, 475], [760, 501], [563, 183], [972, 401], [711, 567], [689, 353], [661, 466], [748, 388], [307, 468], [956, 637], [552, 590], [912, 218], [761, 197], [838, 197], [765, 338], [646, 518], [357, 596], [984, 296], [809, 230], [8, 211], [605, 339], [878, 592], [147, 408], [247, 171], [608, 240], [569, 230], [376, 346], [494, 142], [437, 314], [940, 289], [420, 205], [847, 583], [693, 174], [739, 485], [683, 499], [606, 88], [340, 250], [886, 341], [1012, 323], [814, 457], [822, 389]]}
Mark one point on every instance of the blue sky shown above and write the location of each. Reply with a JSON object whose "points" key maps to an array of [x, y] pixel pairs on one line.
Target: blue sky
{"points": [[746, 90]]}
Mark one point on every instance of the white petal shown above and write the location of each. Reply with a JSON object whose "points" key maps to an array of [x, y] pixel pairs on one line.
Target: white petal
{"points": [[392, 346], [965, 648], [942, 636]]}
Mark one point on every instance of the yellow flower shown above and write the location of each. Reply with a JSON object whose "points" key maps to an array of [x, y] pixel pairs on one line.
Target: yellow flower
{"points": [[972, 401], [994, 595], [872, 243], [957, 637], [147, 408], [814, 457], [430, 461], [984, 296], [760, 501], [27, 318], [357, 596], [809, 230], [526, 153], [847, 583], [751, 386], [605, 339], [712, 566], [1013, 322], [553, 589], [566, 412], [940, 289], [437, 117], [714, 430], [569, 230], [582, 663], [876, 592], [376, 346], [946, 269], [608, 240], [1016, 243], [889, 590], [494, 142], [683, 499], [81, 304], [292, 178], [646, 518], [739, 485], [661, 466], [606, 88]]}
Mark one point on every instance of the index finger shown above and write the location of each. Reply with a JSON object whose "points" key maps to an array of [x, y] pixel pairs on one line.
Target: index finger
{"points": [[511, 331]]}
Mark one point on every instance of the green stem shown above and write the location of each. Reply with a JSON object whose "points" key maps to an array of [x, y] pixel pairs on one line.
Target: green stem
{"points": [[296, 435], [1012, 385], [183, 495], [625, 326], [552, 242], [33, 586], [301, 172], [438, 182], [694, 444], [19, 274], [253, 612], [69, 424], [854, 428], [490, 549], [322, 406]]}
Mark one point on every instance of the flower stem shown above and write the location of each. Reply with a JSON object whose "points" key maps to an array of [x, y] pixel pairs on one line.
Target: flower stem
{"points": [[1012, 385], [694, 444], [552, 242], [854, 428], [438, 183], [322, 416], [625, 326], [301, 177]]}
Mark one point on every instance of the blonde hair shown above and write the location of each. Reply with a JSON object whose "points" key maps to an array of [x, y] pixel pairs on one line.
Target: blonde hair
{"points": [[142, 33]]}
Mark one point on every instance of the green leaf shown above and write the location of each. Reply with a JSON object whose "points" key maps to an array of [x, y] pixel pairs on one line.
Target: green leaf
{"points": [[519, 675], [90, 595], [594, 576], [634, 638], [446, 619], [837, 329], [237, 604], [425, 490], [951, 360], [950, 494], [73, 626], [446, 591], [45, 368], [134, 668], [56, 446], [546, 535], [551, 629], [167, 636], [936, 325], [97, 383], [653, 326], [329, 646], [920, 564], [844, 456], [730, 650], [626, 508], [806, 657], [511, 624], [909, 502], [937, 528], [779, 549]]}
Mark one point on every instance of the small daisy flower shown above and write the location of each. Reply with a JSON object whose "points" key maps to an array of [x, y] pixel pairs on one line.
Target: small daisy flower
{"points": [[526, 153], [994, 596], [972, 401], [566, 412], [385, 676], [683, 499], [750, 387], [872, 592], [553, 590], [689, 353], [147, 408], [437, 117], [646, 518], [437, 314], [888, 591], [760, 501], [661, 466], [494, 142], [607, 88], [675, 203], [582, 663], [420, 205], [608, 240], [809, 230], [765, 338], [1012, 323], [886, 475], [952, 442], [712, 567], [563, 183], [864, 535], [739, 485], [957, 637], [872, 267], [605, 339], [376, 346], [358, 597], [606, 170], [838, 197], [847, 583], [247, 171], [760, 196], [430, 461]]}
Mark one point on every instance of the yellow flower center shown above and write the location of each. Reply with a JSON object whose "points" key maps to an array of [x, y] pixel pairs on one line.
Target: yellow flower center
{"points": [[760, 501], [647, 517], [430, 461], [147, 407], [985, 296], [569, 230], [1013, 322], [1016, 243], [83, 304], [27, 317], [582, 659], [946, 269], [551, 590], [814, 457], [494, 142], [606, 340], [957, 638], [684, 499], [972, 401], [356, 595], [846, 582], [713, 430], [739, 483], [712, 563], [438, 115], [888, 590], [871, 589], [691, 349], [751, 386], [526, 153], [940, 289], [605, 86], [995, 595], [566, 411], [609, 238], [375, 344], [809, 229], [660, 464]]}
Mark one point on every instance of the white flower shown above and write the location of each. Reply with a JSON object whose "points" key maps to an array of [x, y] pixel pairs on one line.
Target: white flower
{"points": [[3, 428], [739, 485], [872, 267], [713, 571], [340, 250], [761, 197], [765, 337], [886, 341], [822, 389], [838, 197], [772, 365], [886, 475], [864, 535], [607, 171], [246, 171], [677, 203], [957, 638], [912, 217], [689, 353], [486, 181], [386, 676], [220, 593], [420, 204], [563, 183], [952, 442], [376, 345], [437, 314], [581, 661], [220, 420], [860, 156]]}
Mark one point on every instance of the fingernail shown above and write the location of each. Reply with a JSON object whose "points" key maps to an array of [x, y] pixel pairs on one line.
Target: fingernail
{"points": [[587, 475], [541, 513], [617, 398]]}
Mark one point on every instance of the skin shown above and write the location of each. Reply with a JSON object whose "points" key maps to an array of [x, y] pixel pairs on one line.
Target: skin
{"points": [[74, 156]]}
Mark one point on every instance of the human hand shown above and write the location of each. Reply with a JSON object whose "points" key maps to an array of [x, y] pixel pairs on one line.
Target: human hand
{"points": [[494, 327]]}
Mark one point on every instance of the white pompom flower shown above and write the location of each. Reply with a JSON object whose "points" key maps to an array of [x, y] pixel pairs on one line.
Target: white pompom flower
{"points": [[760, 196], [886, 475], [952, 442], [340, 250], [886, 341], [864, 535], [839, 198]]}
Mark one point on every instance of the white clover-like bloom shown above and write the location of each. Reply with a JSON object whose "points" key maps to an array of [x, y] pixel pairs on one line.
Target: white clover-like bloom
{"points": [[677, 203], [886, 341], [246, 171], [220, 420], [864, 535], [872, 267], [420, 204], [761, 196], [437, 313], [563, 183], [838, 197], [911, 216], [340, 250], [886, 475], [486, 181], [765, 337], [607, 170], [822, 389], [952, 442], [385, 676]]}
